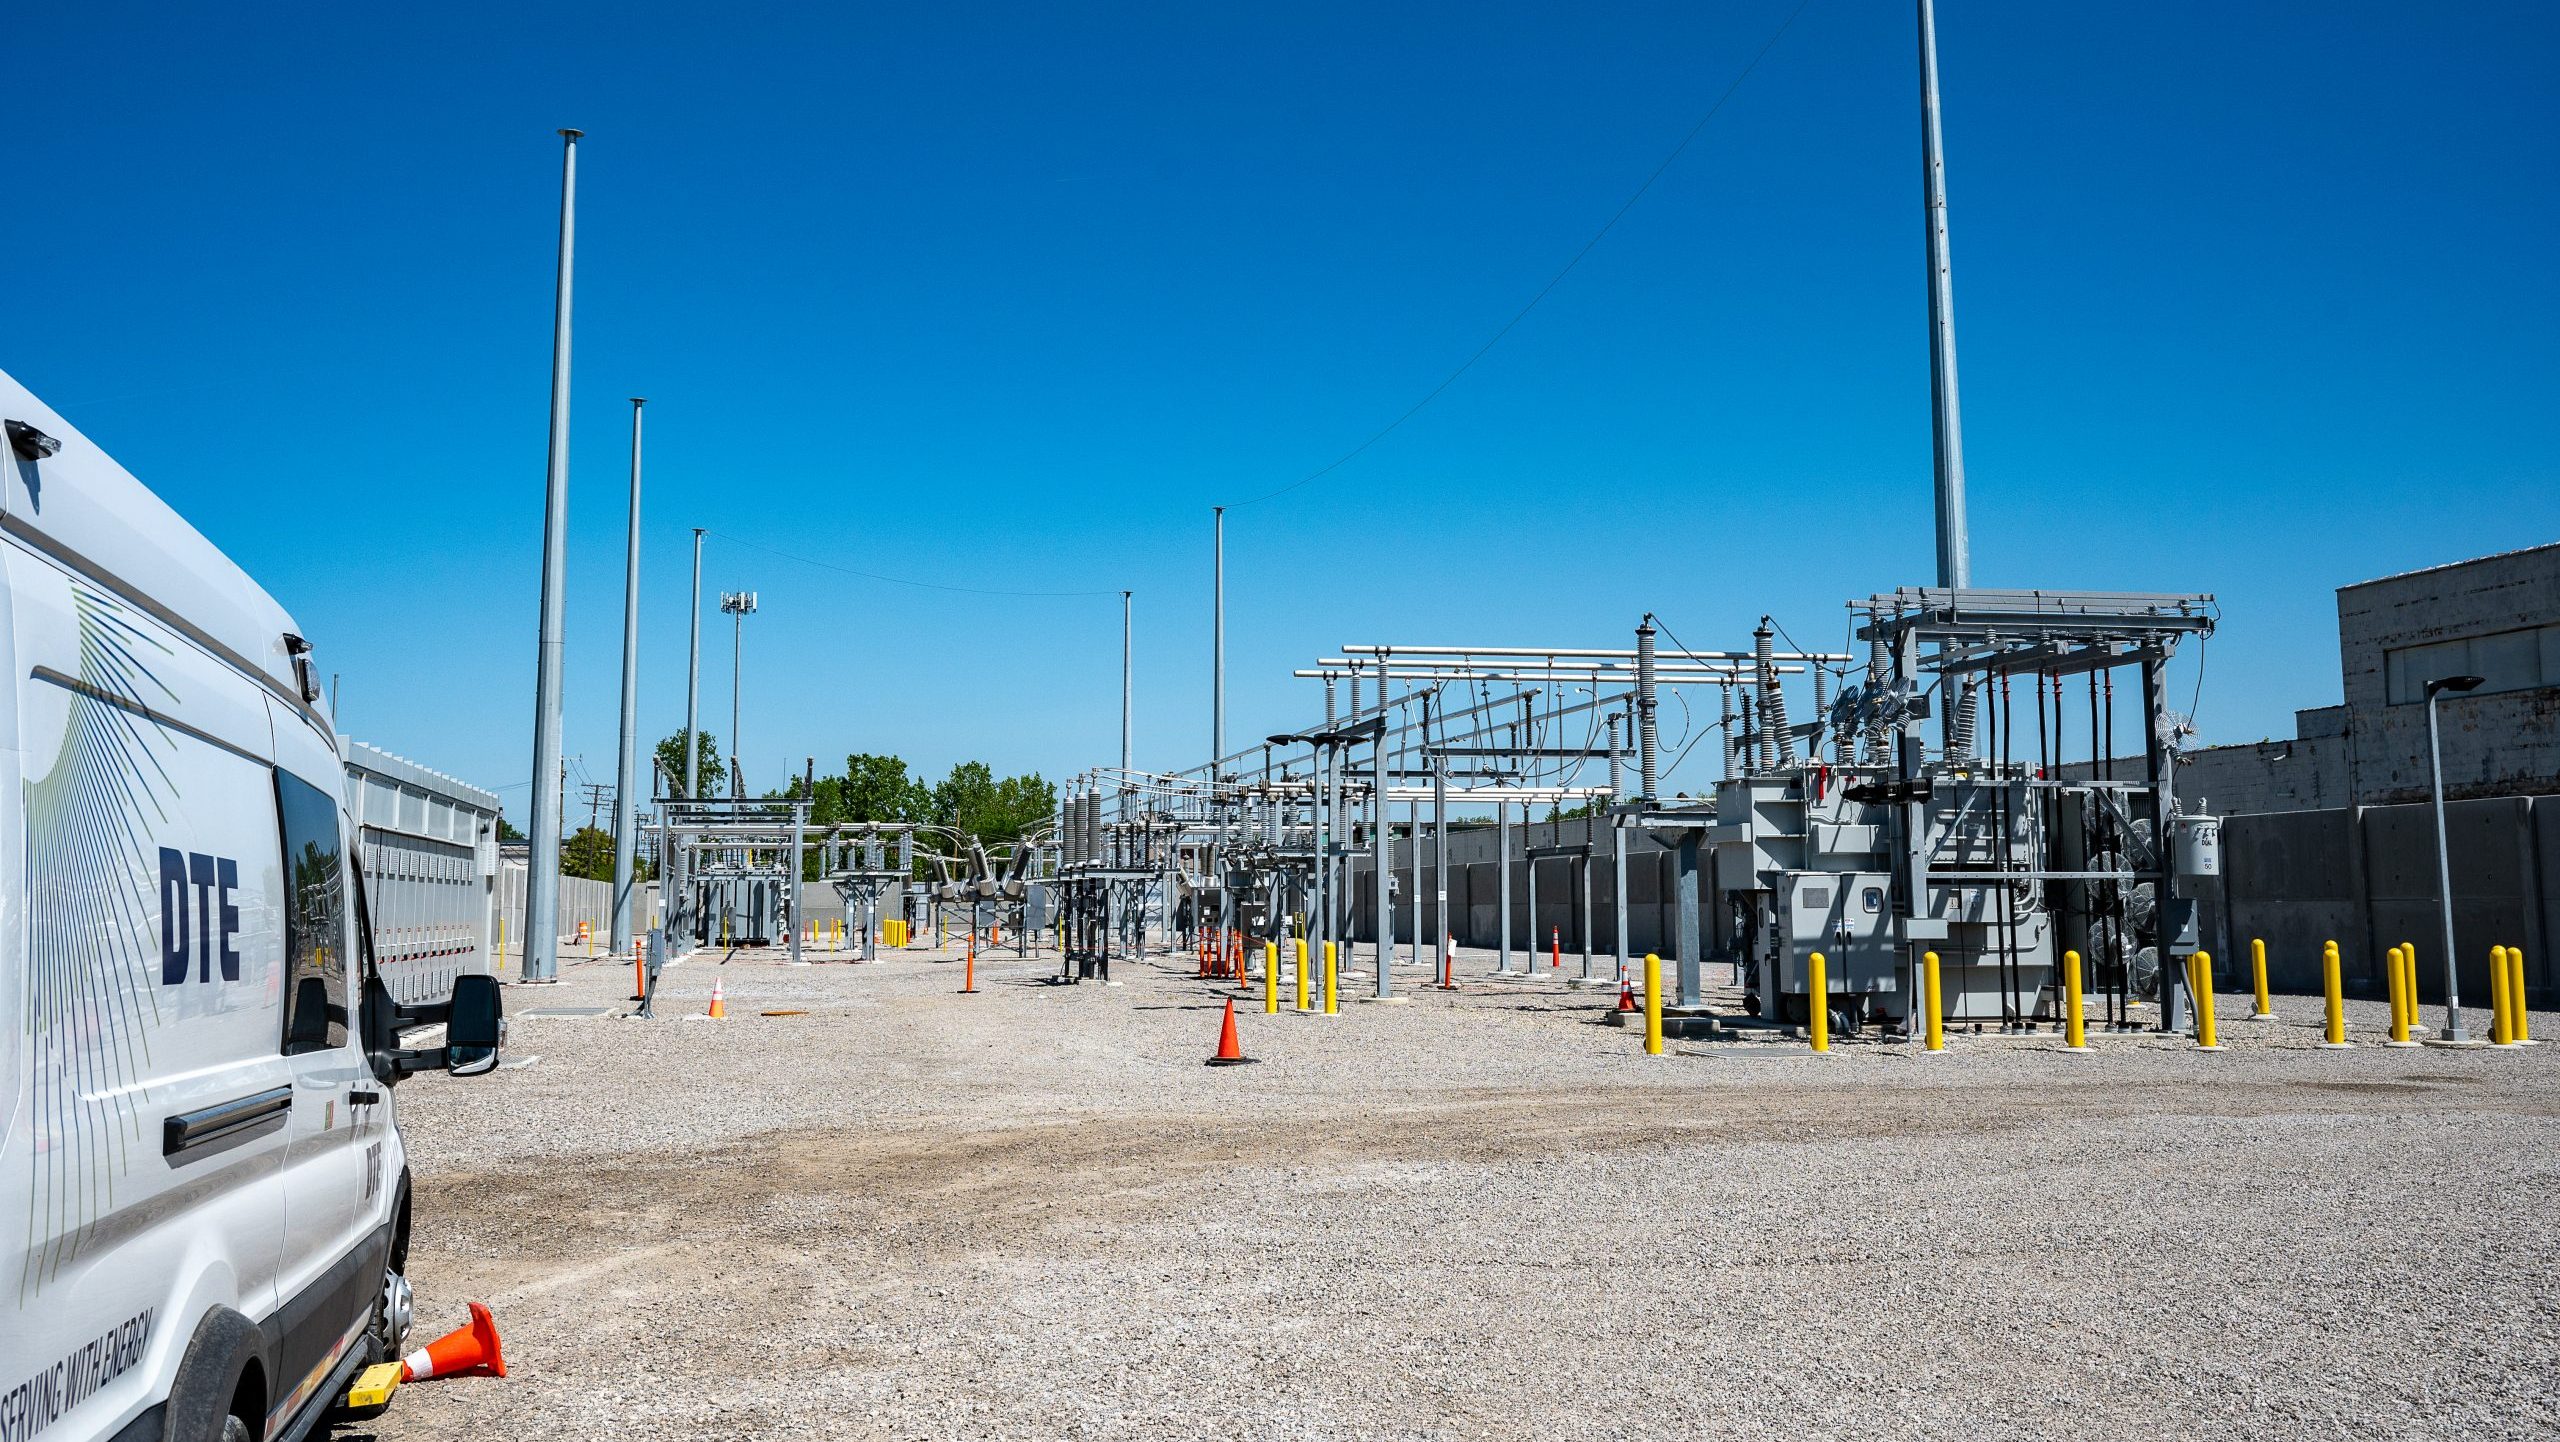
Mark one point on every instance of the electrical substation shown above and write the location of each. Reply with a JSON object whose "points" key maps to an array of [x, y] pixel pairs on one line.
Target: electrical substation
{"points": [[1763, 978]]}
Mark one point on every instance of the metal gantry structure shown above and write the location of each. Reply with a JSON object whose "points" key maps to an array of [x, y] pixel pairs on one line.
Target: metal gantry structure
{"points": [[1259, 843], [1919, 815]]}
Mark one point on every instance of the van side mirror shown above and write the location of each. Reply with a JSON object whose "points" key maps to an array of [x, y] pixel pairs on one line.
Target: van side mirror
{"points": [[475, 1026]]}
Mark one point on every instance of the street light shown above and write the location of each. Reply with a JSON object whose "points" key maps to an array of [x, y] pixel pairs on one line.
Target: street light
{"points": [[2453, 1031], [740, 604]]}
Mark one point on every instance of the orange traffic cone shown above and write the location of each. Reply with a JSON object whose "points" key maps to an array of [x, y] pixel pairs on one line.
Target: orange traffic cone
{"points": [[472, 1347], [1230, 1052], [719, 1000], [1626, 994]]}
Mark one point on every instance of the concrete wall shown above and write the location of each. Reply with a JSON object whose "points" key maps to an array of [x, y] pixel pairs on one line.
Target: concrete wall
{"points": [[2367, 879]]}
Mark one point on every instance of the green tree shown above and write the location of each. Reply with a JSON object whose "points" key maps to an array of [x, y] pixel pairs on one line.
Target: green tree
{"points": [[671, 761], [974, 801], [589, 853], [878, 788], [509, 831]]}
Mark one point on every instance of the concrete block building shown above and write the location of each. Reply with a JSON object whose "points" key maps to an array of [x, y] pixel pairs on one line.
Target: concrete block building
{"points": [[2497, 617]]}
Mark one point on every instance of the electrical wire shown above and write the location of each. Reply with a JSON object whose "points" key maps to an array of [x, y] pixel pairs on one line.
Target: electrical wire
{"points": [[1338, 462]]}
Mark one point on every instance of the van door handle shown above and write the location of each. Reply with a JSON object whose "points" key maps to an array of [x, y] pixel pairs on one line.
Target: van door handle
{"points": [[363, 1098], [188, 1130]]}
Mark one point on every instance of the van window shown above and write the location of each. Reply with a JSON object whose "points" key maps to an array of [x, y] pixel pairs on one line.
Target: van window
{"points": [[315, 919]]}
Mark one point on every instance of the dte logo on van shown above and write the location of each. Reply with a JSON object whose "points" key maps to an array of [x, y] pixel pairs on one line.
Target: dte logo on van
{"points": [[203, 933]]}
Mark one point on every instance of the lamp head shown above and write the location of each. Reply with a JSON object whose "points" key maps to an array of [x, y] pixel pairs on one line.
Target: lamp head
{"points": [[2456, 684]]}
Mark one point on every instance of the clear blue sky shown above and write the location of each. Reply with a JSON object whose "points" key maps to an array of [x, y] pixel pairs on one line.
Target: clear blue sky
{"points": [[2256, 299]]}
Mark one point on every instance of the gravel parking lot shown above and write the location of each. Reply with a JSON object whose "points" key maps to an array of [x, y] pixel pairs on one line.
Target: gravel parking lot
{"points": [[1032, 1213]]}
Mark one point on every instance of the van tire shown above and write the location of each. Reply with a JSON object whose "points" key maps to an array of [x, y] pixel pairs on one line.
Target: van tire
{"points": [[217, 1378]]}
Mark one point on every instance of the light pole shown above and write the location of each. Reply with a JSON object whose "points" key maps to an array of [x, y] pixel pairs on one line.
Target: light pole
{"points": [[626, 811], [741, 605], [693, 684], [542, 871], [1218, 650], [2453, 1031], [1124, 688]]}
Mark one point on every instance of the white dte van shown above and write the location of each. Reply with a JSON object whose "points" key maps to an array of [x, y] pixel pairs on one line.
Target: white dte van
{"points": [[204, 1203]]}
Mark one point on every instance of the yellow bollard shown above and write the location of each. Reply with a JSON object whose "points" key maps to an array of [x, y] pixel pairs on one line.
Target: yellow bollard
{"points": [[2397, 963], [1929, 995], [2409, 984], [1652, 1004], [2075, 1021], [2200, 985], [2515, 993], [2258, 976], [1271, 978], [2336, 1039], [2410, 966], [1329, 1008], [2502, 1030], [1301, 943], [1817, 1001]]}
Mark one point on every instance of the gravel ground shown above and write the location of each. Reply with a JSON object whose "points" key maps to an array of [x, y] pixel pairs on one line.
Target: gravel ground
{"points": [[1032, 1213]]}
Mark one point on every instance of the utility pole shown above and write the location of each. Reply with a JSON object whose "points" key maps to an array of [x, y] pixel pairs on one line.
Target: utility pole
{"points": [[1955, 562], [542, 871], [693, 685], [1124, 689], [1218, 650], [626, 811]]}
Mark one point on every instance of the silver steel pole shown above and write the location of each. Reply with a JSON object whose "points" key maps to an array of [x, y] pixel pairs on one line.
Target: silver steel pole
{"points": [[626, 816], [1339, 882], [1218, 650], [542, 873], [1955, 564], [737, 688], [1318, 919], [791, 874], [1439, 857], [1617, 857], [1124, 687], [1502, 845], [1384, 869], [1413, 837], [2453, 1028], [693, 684]]}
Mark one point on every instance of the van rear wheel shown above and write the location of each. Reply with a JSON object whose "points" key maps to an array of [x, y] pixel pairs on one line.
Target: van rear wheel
{"points": [[234, 1430]]}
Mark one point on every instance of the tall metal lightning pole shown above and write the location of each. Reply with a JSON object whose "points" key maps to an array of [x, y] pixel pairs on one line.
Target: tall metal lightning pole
{"points": [[674, 893], [1955, 563], [1218, 647], [1124, 689], [1218, 713], [542, 873], [626, 815], [693, 684]]}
